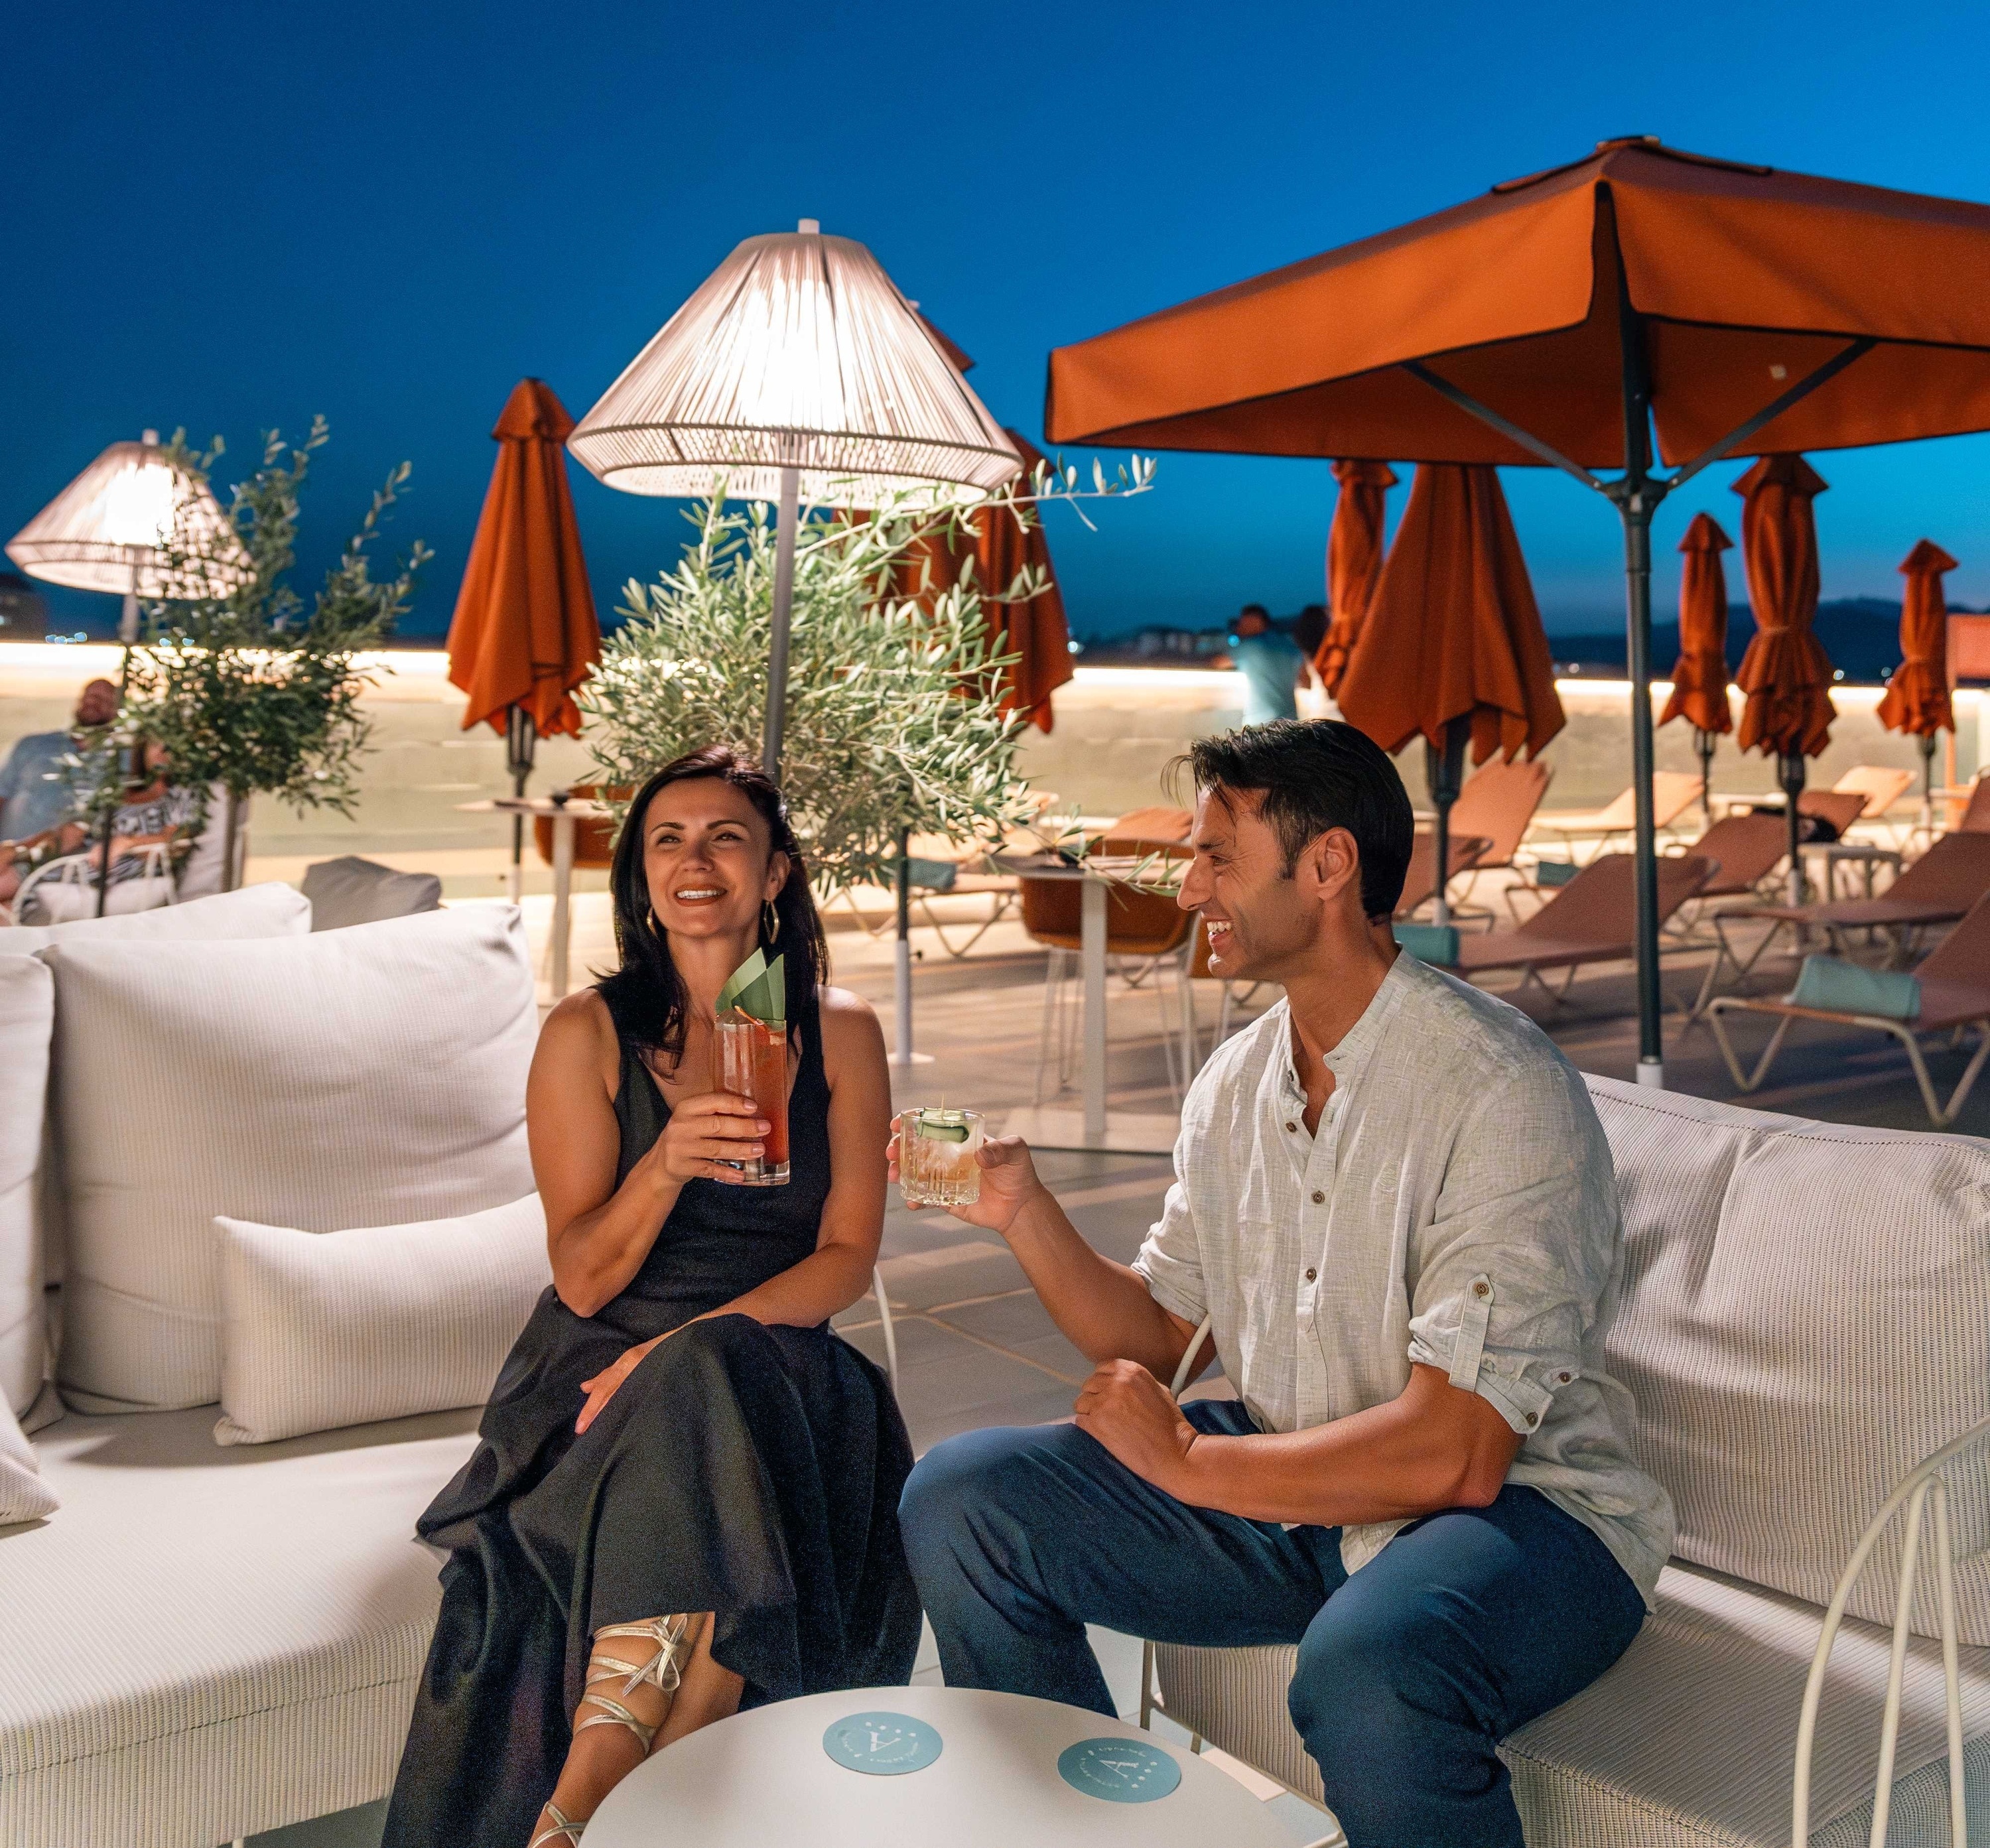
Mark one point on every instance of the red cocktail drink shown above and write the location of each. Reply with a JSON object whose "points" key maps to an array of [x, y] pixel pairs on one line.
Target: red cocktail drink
{"points": [[753, 1064]]}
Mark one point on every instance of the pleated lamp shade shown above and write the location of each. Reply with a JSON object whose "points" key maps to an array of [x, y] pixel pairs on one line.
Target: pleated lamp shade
{"points": [[798, 352], [113, 526]]}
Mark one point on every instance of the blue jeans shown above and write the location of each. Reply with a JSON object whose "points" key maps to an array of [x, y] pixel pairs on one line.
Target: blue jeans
{"points": [[1466, 1626]]}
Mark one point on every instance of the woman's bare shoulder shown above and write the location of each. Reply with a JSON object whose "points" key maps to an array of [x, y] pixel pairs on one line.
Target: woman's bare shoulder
{"points": [[579, 1034], [850, 1029]]}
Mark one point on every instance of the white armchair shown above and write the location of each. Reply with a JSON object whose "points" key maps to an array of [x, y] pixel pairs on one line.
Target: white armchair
{"points": [[66, 889]]}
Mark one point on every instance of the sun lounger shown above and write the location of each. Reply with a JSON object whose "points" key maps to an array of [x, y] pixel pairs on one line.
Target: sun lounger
{"points": [[1954, 996], [1463, 854], [1878, 786], [1673, 792], [1593, 918], [1975, 817], [1942, 884], [1496, 804], [1749, 847]]}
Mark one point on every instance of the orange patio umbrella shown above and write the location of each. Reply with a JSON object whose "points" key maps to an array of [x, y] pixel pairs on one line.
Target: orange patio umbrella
{"points": [[1452, 648], [1916, 701], [1353, 562], [1700, 676], [525, 635], [1785, 675], [1637, 305], [1035, 628]]}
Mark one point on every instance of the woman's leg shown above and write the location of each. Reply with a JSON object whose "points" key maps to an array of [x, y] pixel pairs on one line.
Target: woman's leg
{"points": [[635, 1703]]}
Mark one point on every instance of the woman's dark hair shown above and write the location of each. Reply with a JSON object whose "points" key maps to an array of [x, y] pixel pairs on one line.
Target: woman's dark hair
{"points": [[1316, 774], [645, 996]]}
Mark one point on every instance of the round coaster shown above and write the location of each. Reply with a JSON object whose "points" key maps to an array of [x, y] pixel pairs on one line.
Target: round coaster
{"points": [[884, 1745], [1120, 1771]]}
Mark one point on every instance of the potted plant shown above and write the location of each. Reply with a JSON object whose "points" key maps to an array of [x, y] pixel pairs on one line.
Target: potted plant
{"points": [[249, 692]]}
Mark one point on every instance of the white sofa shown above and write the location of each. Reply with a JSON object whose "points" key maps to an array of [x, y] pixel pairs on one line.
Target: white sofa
{"points": [[1806, 1316], [203, 1642]]}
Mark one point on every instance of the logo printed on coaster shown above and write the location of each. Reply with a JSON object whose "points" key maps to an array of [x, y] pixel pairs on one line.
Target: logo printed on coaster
{"points": [[884, 1745], [1119, 1770]]}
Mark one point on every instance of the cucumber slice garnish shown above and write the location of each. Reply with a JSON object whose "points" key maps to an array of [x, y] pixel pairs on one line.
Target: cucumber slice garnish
{"points": [[942, 1126]]}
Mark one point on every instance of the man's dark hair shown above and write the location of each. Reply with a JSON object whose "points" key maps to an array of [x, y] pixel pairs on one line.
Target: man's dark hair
{"points": [[1315, 774], [1255, 609]]}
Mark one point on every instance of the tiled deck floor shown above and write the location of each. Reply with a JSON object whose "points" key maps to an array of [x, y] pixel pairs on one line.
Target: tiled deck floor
{"points": [[974, 1347]]}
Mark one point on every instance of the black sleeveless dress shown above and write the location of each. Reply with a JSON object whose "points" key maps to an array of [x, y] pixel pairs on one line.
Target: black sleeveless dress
{"points": [[753, 1471]]}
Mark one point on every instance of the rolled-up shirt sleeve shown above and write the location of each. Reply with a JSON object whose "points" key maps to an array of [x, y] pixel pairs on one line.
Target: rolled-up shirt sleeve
{"points": [[1519, 1255], [1170, 1259]]}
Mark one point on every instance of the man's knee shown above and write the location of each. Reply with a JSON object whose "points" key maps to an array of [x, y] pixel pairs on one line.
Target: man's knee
{"points": [[1369, 1669], [961, 1488]]}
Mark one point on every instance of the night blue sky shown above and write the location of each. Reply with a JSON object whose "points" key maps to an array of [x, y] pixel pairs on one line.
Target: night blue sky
{"points": [[225, 216]]}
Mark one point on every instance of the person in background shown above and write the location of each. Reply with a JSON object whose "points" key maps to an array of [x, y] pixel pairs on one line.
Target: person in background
{"points": [[36, 802], [1272, 667], [1310, 629]]}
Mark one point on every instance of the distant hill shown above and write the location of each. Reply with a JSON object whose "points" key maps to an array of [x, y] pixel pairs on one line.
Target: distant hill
{"points": [[1862, 635]]}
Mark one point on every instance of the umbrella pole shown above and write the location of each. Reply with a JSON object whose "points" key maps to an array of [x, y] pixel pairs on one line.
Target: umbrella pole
{"points": [[1703, 742], [1790, 774], [1927, 742], [520, 736], [1444, 771], [903, 1057], [784, 596], [1636, 507]]}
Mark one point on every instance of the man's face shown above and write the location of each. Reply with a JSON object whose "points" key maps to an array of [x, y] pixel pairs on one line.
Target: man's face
{"points": [[97, 704], [1259, 924], [1252, 622]]}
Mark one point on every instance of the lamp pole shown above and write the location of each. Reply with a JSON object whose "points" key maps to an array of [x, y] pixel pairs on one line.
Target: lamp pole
{"points": [[785, 534]]}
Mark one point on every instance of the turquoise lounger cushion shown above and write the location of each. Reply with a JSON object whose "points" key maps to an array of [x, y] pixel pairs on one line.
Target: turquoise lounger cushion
{"points": [[1838, 987], [1554, 872], [932, 876], [1430, 943]]}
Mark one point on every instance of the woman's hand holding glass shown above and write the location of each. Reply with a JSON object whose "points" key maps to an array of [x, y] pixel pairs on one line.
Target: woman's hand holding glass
{"points": [[707, 1137]]}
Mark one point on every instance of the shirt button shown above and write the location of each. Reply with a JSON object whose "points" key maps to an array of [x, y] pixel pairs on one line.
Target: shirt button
{"points": [[1564, 1377], [1533, 1418], [1312, 1274], [1292, 1128], [1319, 1198], [1482, 1289]]}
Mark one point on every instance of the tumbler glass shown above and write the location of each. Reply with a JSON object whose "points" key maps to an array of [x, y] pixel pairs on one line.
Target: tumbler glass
{"points": [[937, 1148], [753, 1064]]}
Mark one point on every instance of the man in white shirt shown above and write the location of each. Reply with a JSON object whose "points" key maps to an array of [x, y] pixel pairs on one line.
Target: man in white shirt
{"points": [[1395, 1204]]}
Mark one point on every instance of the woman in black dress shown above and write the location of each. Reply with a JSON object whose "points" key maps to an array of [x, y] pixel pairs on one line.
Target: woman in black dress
{"points": [[685, 1499]]}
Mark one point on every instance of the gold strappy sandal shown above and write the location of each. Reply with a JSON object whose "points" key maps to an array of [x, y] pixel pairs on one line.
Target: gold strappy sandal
{"points": [[561, 1828], [661, 1671]]}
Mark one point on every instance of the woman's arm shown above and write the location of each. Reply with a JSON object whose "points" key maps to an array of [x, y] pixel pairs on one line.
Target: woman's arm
{"points": [[597, 1234]]}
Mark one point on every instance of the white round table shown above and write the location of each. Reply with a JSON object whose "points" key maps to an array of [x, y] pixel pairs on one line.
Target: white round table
{"points": [[765, 1777]]}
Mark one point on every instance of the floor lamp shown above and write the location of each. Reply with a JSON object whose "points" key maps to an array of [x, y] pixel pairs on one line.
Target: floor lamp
{"points": [[797, 374]]}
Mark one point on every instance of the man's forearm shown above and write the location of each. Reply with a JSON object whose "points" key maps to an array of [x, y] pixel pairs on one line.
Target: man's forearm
{"points": [[1104, 1310], [1432, 1448]]}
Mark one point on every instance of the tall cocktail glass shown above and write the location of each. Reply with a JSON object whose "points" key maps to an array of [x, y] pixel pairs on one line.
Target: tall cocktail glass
{"points": [[753, 1064]]}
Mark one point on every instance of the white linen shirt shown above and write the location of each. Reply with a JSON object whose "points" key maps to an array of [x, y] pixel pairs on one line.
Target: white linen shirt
{"points": [[1457, 1208]]}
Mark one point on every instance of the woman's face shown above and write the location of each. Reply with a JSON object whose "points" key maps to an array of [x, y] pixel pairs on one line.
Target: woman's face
{"points": [[706, 859]]}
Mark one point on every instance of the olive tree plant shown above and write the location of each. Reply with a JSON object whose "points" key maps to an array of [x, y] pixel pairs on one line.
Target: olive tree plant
{"points": [[248, 690]]}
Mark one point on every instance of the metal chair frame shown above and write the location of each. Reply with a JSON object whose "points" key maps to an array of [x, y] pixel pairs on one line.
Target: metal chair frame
{"points": [[156, 854]]}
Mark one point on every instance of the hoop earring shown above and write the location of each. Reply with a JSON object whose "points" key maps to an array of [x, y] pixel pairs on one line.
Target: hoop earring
{"points": [[649, 919], [770, 921]]}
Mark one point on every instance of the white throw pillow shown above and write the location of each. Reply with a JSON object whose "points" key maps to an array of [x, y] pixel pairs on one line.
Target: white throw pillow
{"points": [[364, 1077], [1806, 1316], [325, 1329], [27, 1016], [23, 1495], [267, 910], [271, 909]]}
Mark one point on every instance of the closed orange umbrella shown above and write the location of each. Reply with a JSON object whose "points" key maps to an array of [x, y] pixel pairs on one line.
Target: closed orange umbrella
{"points": [[525, 635], [1639, 300], [1452, 647], [1700, 677], [1035, 628], [1353, 562], [1916, 697], [1785, 675]]}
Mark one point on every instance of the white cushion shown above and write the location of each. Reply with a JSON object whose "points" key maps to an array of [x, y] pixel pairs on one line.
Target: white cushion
{"points": [[1686, 1742], [1806, 1316], [23, 1495], [354, 1078], [27, 1015], [269, 910], [325, 1329], [205, 1644]]}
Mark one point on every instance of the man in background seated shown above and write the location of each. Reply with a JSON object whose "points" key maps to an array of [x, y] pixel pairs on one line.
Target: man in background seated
{"points": [[1395, 1205], [1272, 667], [36, 801]]}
